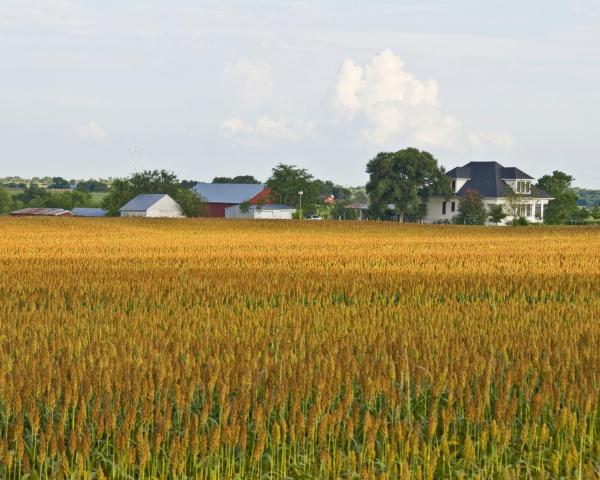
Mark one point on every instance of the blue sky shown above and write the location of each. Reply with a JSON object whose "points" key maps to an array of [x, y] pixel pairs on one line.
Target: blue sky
{"points": [[233, 87]]}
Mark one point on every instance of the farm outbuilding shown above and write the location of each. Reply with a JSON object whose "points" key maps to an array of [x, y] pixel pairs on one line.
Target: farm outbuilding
{"points": [[89, 212], [220, 196], [264, 212], [41, 212], [152, 205]]}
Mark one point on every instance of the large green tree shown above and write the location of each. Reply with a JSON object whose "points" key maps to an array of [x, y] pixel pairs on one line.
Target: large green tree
{"points": [[564, 205], [471, 210], [236, 179], [287, 181], [152, 181], [92, 186], [5, 201], [405, 179], [59, 183]]}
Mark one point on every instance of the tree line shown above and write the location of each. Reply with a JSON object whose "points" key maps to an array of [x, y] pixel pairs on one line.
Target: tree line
{"points": [[399, 187]]}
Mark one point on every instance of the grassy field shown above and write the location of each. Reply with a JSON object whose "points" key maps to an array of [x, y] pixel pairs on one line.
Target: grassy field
{"points": [[221, 349]]}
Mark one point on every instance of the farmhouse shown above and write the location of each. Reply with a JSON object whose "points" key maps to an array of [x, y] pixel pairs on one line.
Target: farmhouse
{"points": [[152, 205], [41, 212], [89, 212], [219, 196], [498, 186], [264, 212]]}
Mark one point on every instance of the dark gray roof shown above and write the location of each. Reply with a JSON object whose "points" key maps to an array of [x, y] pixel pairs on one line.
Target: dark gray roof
{"points": [[142, 202], [506, 173], [539, 193], [513, 173], [487, 178], [89, 212], [459, 172], [228, 192]]}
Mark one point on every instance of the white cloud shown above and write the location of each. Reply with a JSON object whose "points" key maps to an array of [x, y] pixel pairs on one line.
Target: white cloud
{"points": [[267, 128], [253, 79], [91, 132], [397, 106]]}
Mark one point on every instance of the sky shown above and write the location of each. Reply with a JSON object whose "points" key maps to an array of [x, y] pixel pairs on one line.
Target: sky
{"points": [[220, 88]]}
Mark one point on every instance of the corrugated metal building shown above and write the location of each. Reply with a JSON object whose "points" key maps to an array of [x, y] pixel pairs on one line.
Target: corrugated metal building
{"points": [[89, 212], [41, 212], [152, 205], [263, 212], [219, 196]]}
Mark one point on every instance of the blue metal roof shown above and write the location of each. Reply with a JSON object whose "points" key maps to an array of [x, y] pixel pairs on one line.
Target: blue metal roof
{"points": [[89, 212], [142, 202], [227, 192]]}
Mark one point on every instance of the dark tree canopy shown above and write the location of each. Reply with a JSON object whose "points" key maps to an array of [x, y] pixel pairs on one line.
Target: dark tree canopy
{"points": [[188, 183], [236, 179], [564, 205], [496, 214], [59, 183], [471, 210], [92, 186], [36, 196], [5, 201], [285, 183], [152, 181], [405, 179], [328, 188]]}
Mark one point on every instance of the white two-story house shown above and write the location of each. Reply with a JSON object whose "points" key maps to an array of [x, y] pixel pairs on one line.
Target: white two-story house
{"points": [[496, 185]]}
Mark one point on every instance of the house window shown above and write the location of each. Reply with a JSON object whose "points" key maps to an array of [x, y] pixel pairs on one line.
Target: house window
{"points": [[529, 210], [538, 210], [523, 186], [443, 208], [453, 207], [454, 185]]}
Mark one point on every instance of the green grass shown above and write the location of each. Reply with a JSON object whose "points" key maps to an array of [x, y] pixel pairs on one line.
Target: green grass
{"points": [[13, 191]]}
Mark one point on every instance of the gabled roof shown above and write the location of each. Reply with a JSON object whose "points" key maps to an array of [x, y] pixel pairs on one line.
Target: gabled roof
{"points": [[228, 192], [89, 212], [143, 202], [487, 178]]}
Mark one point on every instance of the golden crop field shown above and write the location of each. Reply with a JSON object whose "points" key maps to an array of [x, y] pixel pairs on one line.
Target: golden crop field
{"points": [[137, 348]]}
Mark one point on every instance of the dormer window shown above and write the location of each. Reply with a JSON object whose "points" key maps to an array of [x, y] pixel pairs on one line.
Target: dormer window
{"points": [[523, 186]]}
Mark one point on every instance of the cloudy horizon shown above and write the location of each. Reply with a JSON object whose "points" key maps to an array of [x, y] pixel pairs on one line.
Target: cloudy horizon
{"points": [[222, 88]]}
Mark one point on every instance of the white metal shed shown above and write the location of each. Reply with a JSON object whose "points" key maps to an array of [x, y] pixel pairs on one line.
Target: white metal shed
{"points": [[152, 205], [263, 212]]}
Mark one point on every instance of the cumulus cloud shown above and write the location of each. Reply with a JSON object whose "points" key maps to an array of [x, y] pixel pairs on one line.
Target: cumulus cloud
{"points": [[253, 79], [268, 128], [91, 132], [397, 106]]}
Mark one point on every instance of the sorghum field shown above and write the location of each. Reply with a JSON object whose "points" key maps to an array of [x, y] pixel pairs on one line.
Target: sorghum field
{"points": [[228, 349]]}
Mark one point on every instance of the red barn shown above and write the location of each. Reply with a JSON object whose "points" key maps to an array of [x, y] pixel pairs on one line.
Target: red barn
{"points": [[219, 196]]}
